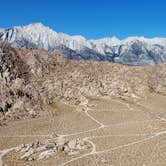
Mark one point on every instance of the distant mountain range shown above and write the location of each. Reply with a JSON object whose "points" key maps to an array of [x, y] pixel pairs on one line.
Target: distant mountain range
{"points": [[130, 51]]}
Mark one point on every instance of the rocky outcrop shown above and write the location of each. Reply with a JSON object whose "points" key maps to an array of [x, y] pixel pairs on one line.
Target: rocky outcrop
{"points": [[31, 79], [15, 97], [45, 149]]}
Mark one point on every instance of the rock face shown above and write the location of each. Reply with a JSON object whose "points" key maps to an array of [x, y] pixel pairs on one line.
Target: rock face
{"points": [[30, 79], [15, 96], [132, 51]]}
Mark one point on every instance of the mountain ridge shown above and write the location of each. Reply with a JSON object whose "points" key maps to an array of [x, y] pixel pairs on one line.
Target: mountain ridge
{"points": [[131, 51]]}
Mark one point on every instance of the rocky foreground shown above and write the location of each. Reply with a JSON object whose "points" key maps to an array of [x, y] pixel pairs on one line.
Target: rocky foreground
{"points": [[31, 79], [43, 150]]}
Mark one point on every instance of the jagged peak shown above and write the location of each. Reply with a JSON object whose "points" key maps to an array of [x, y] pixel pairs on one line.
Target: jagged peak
{"points": [[36, 24], [134, 38], [79, 38], [107, 40]]}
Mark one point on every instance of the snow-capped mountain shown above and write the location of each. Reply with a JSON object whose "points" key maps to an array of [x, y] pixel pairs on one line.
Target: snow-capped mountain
{"points": [[131, 51]]}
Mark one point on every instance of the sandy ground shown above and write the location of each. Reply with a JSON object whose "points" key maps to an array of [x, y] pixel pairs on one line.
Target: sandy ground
{"points": [[120, 132]]}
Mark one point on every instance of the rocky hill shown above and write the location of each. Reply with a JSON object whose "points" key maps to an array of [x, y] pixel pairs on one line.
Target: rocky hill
{"points": [[33, 78], [132, 51]]}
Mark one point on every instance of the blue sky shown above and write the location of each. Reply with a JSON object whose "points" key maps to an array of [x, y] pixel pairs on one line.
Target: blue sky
{"points": [[90, 18]]}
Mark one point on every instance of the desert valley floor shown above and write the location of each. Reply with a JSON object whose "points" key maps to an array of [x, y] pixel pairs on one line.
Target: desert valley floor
{"points": [[118, 132]]}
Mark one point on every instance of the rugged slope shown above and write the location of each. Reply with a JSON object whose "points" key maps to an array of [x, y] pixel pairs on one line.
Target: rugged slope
{"points": [[30, 79], [131, 51]]}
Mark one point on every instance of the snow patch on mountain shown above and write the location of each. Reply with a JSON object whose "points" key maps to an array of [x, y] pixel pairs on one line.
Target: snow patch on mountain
{"points": [[132, 50]]}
